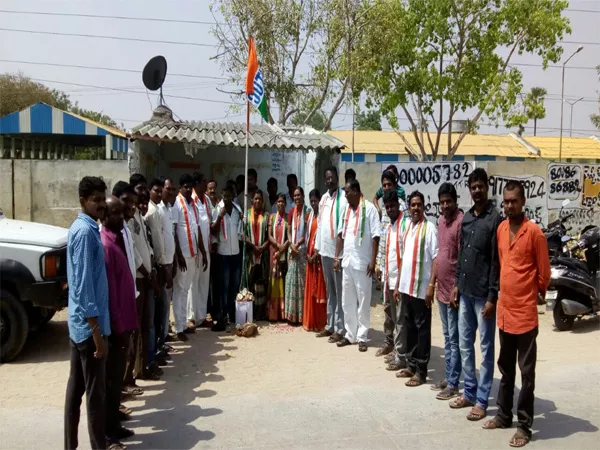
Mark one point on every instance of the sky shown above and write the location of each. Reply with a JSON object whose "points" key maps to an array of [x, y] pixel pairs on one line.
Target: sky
{"points": [[121, 95]]}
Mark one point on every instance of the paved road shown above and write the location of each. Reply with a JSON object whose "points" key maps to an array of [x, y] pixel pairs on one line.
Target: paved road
{"points": [[287, 389]]}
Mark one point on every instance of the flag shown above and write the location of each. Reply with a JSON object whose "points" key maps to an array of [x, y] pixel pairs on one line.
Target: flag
{"points": [[255, 89]]}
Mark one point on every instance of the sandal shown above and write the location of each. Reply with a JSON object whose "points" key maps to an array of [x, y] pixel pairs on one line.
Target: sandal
{"points": [[117, 446], [414, 382], [447, 394], [405, 373], [461, 402], [519, 439], [494, 424], [439, 386], [476, 413], [132, 390], [124, 409]]}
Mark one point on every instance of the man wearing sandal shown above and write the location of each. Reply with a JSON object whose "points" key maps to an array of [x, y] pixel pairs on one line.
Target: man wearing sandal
{"points": [[477, 292], [416, 287], [524, 276], [447, 259]]}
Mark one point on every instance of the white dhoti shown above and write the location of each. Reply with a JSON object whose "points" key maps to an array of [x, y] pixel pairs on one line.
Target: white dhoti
{"points": [[356, 302], [197, 303], [182, 285]]}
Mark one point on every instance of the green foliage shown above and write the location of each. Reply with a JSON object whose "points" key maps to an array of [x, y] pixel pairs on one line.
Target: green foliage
{"points": [[303, 49], [595, 118], [368, 120], [444, 57], [531, 107], [317, 120]]}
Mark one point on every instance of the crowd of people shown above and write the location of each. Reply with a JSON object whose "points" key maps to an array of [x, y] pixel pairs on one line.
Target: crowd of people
{"points": [[310, 263]]}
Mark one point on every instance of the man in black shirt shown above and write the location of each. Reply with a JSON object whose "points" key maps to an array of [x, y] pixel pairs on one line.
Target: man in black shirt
{"points": [[476, 293]]}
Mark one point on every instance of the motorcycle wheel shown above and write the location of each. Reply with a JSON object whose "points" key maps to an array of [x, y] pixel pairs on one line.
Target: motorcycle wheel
{"points": [[562, 322]]}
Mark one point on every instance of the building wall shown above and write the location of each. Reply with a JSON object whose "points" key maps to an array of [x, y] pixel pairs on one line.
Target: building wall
{"points": [[46, 191], [222, 164], [547, 185]]}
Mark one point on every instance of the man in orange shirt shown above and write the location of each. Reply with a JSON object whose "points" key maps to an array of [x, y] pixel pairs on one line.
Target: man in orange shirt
{"points": [[524, 275]]}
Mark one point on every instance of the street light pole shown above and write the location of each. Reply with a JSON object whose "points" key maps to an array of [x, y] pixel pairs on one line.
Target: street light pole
{"points": [[562, 100], [571, 104]]}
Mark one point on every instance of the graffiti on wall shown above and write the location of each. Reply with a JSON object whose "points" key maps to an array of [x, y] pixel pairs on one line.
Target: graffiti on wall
{"points": [[427, 179], [535, 195]]}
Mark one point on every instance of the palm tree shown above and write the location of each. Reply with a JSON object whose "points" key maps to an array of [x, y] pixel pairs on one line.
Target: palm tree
{"points": [[534, 105]]}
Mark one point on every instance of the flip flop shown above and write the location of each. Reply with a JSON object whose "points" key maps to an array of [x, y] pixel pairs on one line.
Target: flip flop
{"points": [[494, 424], [519, 439], [461, 402], [405, 373], [476, 416], [132, 390], [414, 382]]}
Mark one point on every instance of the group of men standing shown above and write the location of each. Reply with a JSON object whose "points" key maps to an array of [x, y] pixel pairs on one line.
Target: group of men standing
{"points": [[482, 269]]}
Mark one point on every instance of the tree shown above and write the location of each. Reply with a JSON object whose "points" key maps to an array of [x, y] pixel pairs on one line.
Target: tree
{"points": [[303, 48], [531, 107], [368, 120], [18, 92], [436, 59], [317, 120], [595, 118]]}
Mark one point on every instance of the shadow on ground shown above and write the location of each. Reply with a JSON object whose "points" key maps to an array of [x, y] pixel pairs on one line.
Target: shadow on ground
{"points": [[171, 408], [48, 344]]}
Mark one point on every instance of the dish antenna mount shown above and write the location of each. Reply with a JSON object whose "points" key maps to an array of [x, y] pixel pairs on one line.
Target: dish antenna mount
{"points": [[154, 75]]}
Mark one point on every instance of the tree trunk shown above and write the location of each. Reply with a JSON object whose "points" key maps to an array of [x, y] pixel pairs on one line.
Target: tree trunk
{"points": [[535, 126]]}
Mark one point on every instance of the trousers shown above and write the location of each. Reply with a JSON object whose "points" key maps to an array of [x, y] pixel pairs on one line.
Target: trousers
{"points": [[390, 317], [181, 290], [521, 348], [449, 318], [197, 302], [417, 319], [115, 371], [356, 302], [470, 318], [161, 322], [333, 285], [230, 277], [87, 376]]}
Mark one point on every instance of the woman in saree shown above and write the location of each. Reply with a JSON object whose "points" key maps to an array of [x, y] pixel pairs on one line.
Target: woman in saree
{"points": [[315, 296], [295, 278], [257, 255], [278, 238]]}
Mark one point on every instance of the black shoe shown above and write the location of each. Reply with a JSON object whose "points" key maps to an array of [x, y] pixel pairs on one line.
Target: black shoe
{"points": [[344, 342], [189, 330], [161, 362], [335, 338], [362, 346], [182, 337], [170, 338], [219, 326]]}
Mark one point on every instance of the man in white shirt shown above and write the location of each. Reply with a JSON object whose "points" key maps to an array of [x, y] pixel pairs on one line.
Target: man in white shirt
{"points": [[292, 184], [227, 225], [147, 285], [415, 289], [189, 248], [198, 297], [166, 275], [331, 210], [358, 237]]}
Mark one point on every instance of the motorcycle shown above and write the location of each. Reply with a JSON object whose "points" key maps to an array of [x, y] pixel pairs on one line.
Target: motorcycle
{"points": [[555, 232], [575, 281]]}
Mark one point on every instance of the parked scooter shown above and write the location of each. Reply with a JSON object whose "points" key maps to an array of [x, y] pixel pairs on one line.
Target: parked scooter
{"points": [[575, 282], [556, 231]]}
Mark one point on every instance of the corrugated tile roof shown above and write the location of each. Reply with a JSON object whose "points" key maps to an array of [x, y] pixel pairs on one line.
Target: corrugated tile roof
{"points": [[265, 136], [572, 148], [388, 142]]}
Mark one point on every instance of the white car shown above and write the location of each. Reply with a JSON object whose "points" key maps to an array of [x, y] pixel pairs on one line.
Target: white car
{"points": [[33, 280]]}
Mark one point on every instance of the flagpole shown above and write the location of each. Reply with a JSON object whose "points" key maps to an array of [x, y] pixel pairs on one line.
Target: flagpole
{"points": [[246, 163]]}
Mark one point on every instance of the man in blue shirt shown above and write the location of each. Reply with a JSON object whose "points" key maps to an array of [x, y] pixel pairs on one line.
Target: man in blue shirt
{"points": [[89, 321]]}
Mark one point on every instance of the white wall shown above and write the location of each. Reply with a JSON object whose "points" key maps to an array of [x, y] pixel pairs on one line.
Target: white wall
{"points": [[546, 185]]}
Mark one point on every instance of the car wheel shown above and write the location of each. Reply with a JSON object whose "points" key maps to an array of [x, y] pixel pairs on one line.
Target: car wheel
{"points": [[38, 317], [14, 326], [562, 322]]}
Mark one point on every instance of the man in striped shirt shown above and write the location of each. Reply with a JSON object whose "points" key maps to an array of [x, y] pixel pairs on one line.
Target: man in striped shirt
{"points": [[89, 318], [416, 287]]}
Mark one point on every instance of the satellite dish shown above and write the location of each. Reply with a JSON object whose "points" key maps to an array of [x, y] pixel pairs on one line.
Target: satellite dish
{"points": [[154, 73]]}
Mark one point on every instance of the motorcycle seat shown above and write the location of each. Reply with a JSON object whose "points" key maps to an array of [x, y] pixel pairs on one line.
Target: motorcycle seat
{"points": [[572, 263]]}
